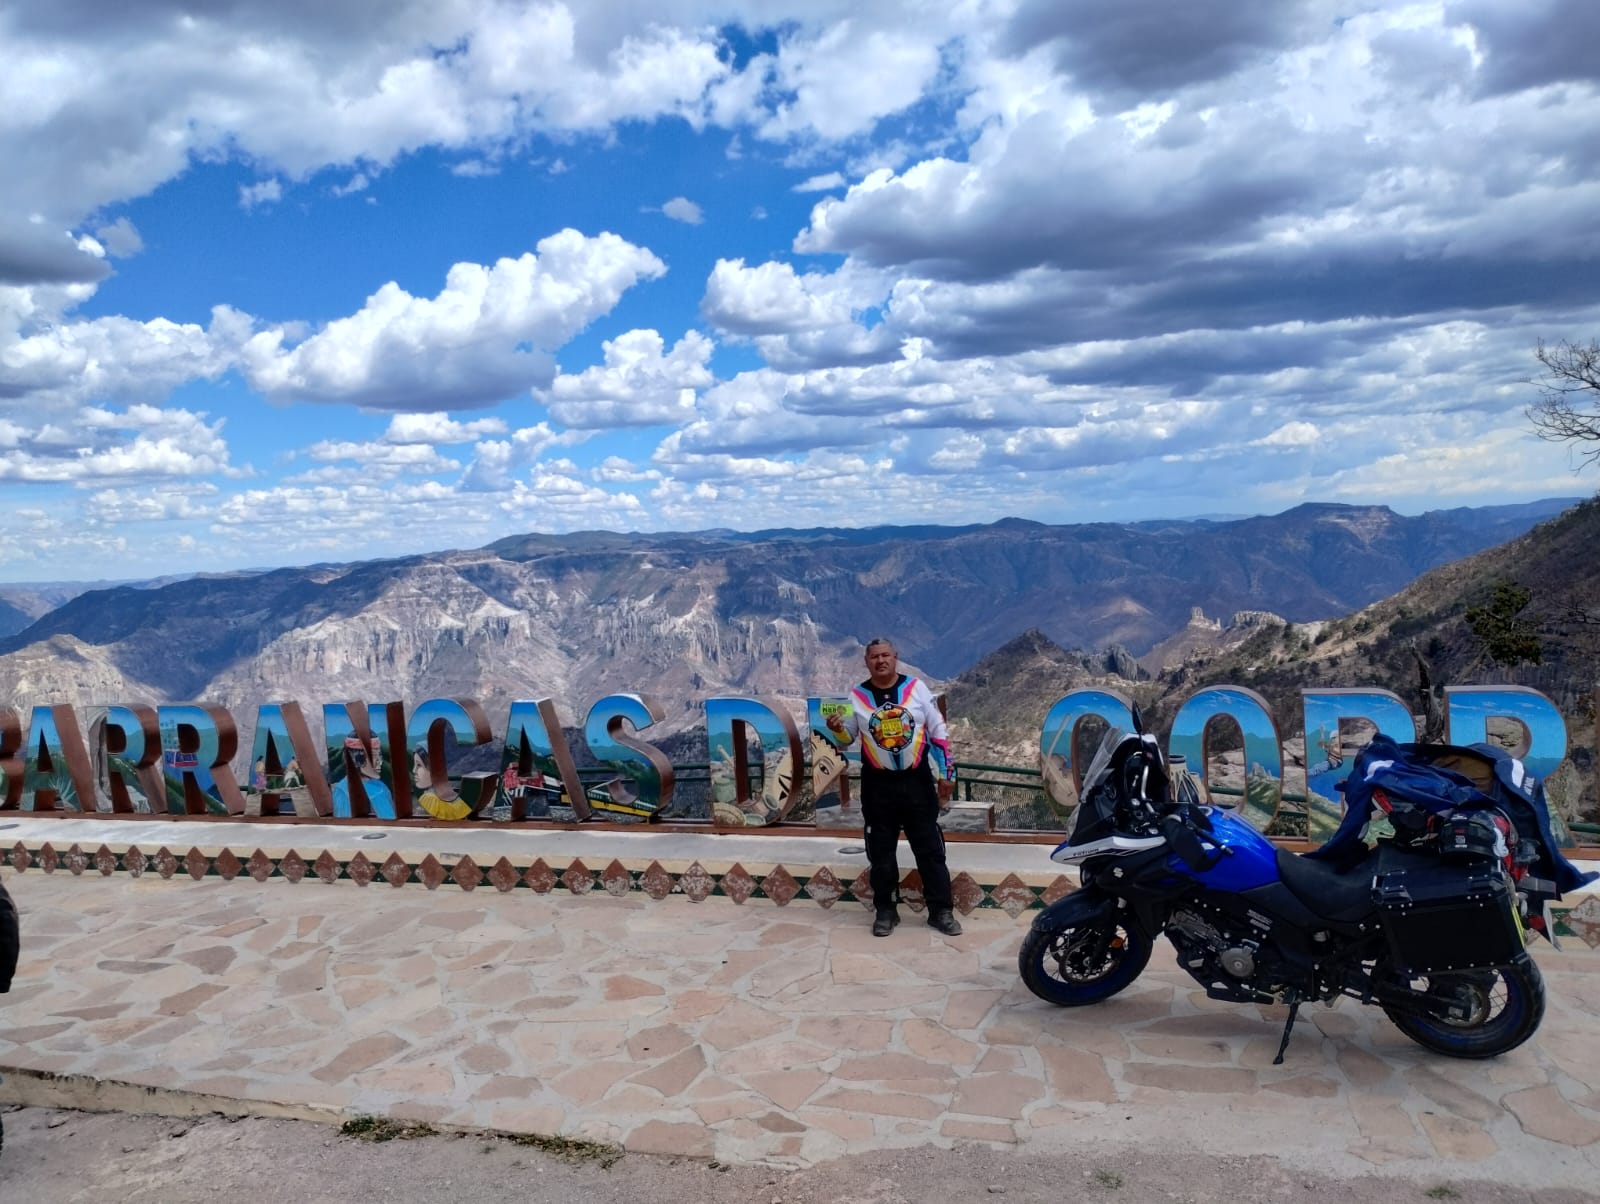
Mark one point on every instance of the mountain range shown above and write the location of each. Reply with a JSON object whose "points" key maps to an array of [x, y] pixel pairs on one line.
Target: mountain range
{"points": [[685, 615]]}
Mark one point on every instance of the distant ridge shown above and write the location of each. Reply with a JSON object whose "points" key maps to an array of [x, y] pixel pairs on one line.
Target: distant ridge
{"points": [[687, 615]]}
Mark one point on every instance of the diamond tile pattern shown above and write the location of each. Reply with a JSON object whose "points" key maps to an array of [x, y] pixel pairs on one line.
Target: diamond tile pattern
{"points": [[697, 882], [292, 866], [466, 874], [361, 871], [779, 886], [737, 883], [825, 887]]}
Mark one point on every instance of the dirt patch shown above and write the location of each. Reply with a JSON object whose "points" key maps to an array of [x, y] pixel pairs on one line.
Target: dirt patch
{"points": [[56, 1157]]}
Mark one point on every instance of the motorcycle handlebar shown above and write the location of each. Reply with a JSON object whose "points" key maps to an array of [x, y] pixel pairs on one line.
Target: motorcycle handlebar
{"points": [[1186, 843]]}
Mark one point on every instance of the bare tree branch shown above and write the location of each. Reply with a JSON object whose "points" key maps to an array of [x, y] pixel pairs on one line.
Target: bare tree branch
{"points": [[1568, 409]]}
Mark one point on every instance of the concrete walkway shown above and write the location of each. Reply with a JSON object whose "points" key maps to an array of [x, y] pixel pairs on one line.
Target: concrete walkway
{"points": [[744, 1033]]}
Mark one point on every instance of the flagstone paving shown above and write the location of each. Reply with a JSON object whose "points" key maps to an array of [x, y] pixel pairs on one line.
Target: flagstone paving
{"points": [[740, 1032]]}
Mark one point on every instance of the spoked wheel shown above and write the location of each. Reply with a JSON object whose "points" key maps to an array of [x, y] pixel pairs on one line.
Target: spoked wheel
{"points": [[1082, 965], [1470, 1013]]}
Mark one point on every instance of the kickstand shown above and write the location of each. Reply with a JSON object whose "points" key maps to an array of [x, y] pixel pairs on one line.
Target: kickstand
{"points": [[1288, 1027]]}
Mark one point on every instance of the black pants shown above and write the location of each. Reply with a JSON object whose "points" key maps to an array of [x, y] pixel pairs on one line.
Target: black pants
{"points": [[907, 800]]}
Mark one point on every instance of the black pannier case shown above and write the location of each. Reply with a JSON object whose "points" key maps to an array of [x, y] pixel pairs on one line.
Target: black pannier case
{"points": [[1448, 917]]}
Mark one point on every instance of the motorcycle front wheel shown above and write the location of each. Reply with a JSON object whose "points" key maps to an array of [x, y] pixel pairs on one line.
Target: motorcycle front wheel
{"points": [[1471, 1013], [1082, 965]]}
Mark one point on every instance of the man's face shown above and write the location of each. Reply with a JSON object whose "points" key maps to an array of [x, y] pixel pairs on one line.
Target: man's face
{"points": [[882, 663]]}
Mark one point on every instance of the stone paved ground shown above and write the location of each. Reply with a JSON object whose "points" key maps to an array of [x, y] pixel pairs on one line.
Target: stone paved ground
{"points": [[742, 1033]]}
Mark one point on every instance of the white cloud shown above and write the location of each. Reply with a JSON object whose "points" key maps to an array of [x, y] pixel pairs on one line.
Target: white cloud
{"points": [[772, 298], [120, 238], [496, 462], [439, 429], [486, 337], [164, 443], [161, 503], [640, 384], [381, 459], [681, 209], [265, 193], [823, 183], [841, 81], [111, 358]]}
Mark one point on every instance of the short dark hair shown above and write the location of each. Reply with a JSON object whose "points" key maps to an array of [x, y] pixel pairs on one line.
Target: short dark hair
{"points": [[881, 639]]}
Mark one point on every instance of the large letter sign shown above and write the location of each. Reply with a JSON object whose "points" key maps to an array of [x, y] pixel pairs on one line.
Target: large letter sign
{"points": [[1326, 753], [373, 765], [733, 804], [643, 785], [1062, 777], [1263, 750]]}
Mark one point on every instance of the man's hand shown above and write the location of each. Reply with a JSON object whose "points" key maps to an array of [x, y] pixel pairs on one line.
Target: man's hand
{"points": [[947, 791]]}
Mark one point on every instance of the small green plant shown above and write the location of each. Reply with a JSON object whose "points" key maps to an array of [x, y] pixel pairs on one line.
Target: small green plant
{"points": [[1443, 1192], [382, 1128], [1109, 1180]]}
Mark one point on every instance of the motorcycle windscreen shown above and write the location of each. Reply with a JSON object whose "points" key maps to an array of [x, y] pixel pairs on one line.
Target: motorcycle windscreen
{"points": [[1095, 818]]}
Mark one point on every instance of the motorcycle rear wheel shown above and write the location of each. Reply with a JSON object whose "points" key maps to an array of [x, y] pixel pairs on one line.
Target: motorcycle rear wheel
{"points": [[1502, 1009], [1082, 965]]}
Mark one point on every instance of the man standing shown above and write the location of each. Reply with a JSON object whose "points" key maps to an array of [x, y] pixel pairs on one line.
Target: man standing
{"points": [[907, 778], [9, 943]]}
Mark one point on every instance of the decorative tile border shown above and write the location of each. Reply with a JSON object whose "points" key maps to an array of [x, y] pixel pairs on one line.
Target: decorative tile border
{"points": [[777, 883], [657, 880]]}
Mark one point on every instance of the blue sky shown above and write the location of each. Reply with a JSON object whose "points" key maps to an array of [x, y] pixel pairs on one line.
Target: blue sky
{"points": [[297, 282]]}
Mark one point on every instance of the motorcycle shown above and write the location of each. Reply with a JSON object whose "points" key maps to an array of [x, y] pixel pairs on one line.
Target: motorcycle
{"points": [[1428, 921]]}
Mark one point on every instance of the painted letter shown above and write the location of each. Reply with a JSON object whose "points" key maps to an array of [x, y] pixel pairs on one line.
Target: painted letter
{"points": [[132, 736], [644, 783], [361, 756], [1471, 707], [281, 731], [732, 803], [198, 742], [537, 768], [1263, 750], [57, 762], [1325, 711], [426, 758], [1062, 776]]}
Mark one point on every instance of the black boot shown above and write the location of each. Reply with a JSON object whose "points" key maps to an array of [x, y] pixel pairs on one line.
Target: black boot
{"points": [[885, 921], [945, 921]]}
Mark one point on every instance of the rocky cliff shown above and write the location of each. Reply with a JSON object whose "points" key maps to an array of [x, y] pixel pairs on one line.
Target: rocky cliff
{"points": [[683, 616]]}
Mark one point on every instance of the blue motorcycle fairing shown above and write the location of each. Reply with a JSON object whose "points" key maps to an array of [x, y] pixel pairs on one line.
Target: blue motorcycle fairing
{"points": [[1081, 907], [1249, 859]]}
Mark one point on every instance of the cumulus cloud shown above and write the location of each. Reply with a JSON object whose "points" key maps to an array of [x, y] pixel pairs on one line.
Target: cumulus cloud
{"points": [[682, 209], [162, 502], [120, 238], [378, 459], [439, 429], [264, 193], [496, 463], [112, 358], [32, 252], [487, 336], [1061, 255], [840, 81], [141, 443], [639, 384]]}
